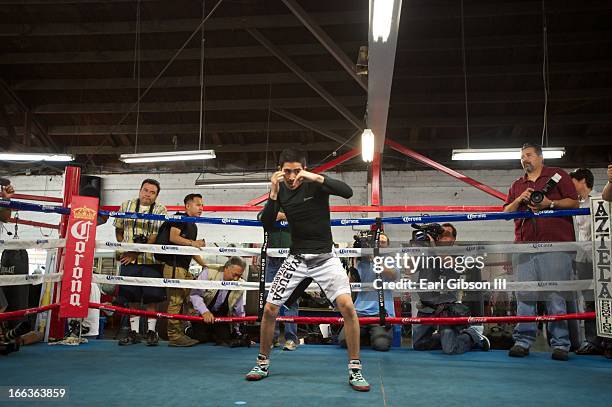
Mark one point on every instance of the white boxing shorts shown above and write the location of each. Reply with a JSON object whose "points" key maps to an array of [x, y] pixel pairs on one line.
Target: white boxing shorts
{"points": [[324, 269]]}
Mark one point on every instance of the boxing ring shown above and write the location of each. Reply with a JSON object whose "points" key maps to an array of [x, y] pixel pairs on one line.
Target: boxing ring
{"points": [[99, 372]]}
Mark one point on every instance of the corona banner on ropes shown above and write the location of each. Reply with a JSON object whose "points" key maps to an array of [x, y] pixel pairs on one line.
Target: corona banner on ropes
{"points": [[79, 257]]}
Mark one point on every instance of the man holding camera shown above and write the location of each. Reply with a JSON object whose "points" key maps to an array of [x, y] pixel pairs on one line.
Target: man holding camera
{"points": [[542, 266], [134, 264], [379, 337], [452, 339], [177, 266]]}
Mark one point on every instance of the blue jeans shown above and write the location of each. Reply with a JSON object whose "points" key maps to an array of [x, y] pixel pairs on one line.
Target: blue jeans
{"points": [[272, 266], [542, 267], [452, 340], [136, 294]]}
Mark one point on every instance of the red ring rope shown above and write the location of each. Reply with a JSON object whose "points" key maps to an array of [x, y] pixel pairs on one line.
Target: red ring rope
{"points": [[362, 321], [24, 312]]}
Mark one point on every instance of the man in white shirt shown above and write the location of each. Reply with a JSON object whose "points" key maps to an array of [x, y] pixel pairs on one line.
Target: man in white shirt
{"points": [[583, 180]]}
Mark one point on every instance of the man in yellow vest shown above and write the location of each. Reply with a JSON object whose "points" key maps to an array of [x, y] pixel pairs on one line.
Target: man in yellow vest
{"points": [[213, 303]]}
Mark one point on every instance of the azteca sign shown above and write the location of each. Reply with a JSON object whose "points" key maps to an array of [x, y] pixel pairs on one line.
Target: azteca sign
{"points": [[602, 264], [78, 258]]}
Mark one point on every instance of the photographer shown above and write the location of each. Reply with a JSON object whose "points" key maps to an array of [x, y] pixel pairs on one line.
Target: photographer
{"points": [[177, 266], [554, 189], [134, 264], [219, 303], [7, 193], [379, 337], [452, 339]]}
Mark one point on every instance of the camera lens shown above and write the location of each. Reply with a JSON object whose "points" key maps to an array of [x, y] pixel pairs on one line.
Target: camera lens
{"points": [[537, 197]]}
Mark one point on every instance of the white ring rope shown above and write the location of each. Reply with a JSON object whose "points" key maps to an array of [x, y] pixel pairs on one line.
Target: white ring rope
{"points": [[543, 247], [572, 285]]}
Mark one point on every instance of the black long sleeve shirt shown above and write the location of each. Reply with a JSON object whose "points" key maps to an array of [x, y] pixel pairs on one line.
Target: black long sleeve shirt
{"points": [[307, 211]]}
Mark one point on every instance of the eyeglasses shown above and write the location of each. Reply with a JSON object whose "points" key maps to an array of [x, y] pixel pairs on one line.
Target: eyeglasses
{"points": [[288, 172]]}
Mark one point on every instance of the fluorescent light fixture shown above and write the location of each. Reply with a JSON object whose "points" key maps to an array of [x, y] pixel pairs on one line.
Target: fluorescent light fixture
{"points": [[475, 154], [234, 180], [167, 156], [382, 16], [367, 145], [36, 157], [232, 183]]}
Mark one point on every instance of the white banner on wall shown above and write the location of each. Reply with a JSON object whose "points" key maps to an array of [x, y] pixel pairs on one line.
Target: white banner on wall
{"points": [[602, 271]]}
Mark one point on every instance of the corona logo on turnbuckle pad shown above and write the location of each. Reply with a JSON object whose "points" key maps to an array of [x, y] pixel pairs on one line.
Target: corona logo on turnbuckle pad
{"points": [[78, 263], [84, 213]]}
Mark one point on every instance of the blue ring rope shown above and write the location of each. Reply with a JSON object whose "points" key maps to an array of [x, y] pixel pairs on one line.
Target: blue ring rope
{"points": [[466, 217]]}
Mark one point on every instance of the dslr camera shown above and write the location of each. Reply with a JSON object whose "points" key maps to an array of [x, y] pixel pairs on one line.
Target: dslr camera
{"points": [[140, 238], [538, 196], [421, 236]]}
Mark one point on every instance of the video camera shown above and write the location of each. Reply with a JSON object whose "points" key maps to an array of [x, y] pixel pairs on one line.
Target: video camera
{"points": [[364, 239], [420, 236], [538, 196]]}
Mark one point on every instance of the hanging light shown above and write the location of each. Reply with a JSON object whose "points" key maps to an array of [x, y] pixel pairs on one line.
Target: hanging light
{"points": [[476, 154], [231, 180], [233, 183], [36, 157], [167, 156], [382, 17], [367, 145]]}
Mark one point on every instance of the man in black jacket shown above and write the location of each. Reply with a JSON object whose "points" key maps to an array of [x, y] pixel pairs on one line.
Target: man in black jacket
{"points": [[177, 266], [304, 197]]}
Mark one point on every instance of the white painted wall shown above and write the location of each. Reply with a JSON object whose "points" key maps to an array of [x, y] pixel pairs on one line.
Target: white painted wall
{"points": [[399, 188]]}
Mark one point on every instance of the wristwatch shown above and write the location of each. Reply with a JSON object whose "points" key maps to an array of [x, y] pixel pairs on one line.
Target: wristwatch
{"points": [[552, 204]]}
